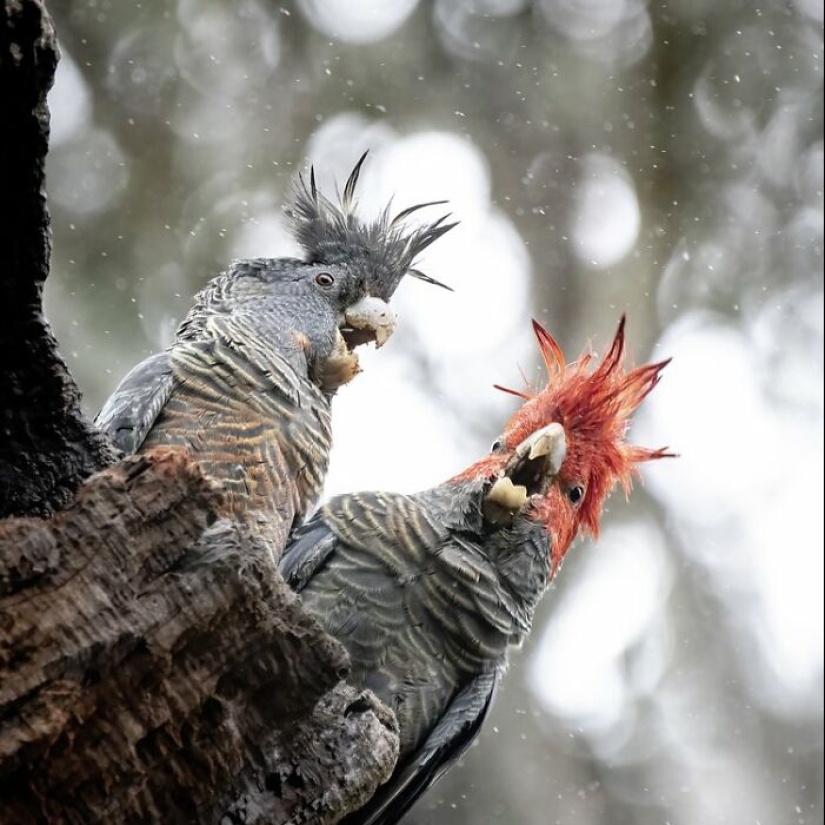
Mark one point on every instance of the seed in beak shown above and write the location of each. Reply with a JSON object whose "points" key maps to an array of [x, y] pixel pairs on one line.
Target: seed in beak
{"points": [[504, 500]]}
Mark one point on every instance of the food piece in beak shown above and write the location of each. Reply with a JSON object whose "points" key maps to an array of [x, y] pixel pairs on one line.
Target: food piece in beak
{"points": [[504, 500], [340, 368], [507, 494], [369, 319]]}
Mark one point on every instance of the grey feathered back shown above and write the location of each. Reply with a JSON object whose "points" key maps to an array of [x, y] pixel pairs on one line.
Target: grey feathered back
{"points": [[383, 248]]}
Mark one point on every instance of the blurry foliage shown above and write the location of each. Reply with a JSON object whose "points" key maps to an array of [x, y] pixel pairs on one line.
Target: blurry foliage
{"points": [[663, 158]]}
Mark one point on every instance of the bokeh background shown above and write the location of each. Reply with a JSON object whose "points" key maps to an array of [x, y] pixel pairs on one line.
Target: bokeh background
{"points": [[663, 159]]}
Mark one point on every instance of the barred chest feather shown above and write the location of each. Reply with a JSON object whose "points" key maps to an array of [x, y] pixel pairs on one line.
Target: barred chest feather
{"points": [[425, 596], [264, 436]]}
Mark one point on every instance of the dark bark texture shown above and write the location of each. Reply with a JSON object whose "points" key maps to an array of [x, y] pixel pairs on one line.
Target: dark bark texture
{"points": [[153, 664], [156, 668], [46, 445]]}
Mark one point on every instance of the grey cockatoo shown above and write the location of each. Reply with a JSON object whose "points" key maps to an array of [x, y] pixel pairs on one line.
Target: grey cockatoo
{"points": [[246, 384], [428, 591]]}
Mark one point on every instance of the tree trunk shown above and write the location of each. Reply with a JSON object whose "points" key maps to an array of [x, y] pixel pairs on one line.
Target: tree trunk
{"points": [[46, 446], [153, 664]]}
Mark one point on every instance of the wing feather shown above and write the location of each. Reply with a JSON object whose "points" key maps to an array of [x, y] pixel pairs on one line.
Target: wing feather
{"points": [[132, 409], [367, 537], [452, 735], [311, 545]]}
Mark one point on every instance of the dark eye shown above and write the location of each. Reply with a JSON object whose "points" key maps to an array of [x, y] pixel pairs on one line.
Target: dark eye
{"points": [[497, 445], [575, 494], [324, 279]]}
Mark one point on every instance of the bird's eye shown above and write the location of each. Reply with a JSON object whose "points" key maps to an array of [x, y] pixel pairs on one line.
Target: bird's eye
{"points": [[575, 494], [497, 445], [324, 279]]}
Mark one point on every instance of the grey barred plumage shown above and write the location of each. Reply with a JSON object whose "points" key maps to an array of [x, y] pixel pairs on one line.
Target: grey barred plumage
{"points": [[427, 595], [265, 436], [247, 383], [424, 595]]}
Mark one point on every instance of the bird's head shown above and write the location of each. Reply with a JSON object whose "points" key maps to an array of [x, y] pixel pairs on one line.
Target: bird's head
{"points": [[565, 449], [336, 297], [359, 264]]}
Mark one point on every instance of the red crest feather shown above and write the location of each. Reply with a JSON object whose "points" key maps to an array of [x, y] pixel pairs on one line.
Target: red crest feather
{"points": [[594, 406], [594, 402]]}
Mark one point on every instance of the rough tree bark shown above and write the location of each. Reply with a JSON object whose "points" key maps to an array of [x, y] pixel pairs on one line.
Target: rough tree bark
{"points": [[46, 446], [153, 664]]}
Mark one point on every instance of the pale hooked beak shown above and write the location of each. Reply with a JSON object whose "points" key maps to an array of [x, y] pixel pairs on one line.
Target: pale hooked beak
{"points": [[549, 441], [534, 465], [369, 319]]}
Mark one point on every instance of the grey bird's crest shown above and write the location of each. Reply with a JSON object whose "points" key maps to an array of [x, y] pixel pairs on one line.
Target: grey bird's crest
{"points": [[383, 248]]}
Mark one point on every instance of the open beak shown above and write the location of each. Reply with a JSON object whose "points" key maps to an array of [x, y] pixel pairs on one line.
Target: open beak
{"points": [[530, 472], [369, 319]]}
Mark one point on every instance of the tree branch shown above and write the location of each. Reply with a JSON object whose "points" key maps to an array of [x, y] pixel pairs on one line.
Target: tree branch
{"points": [[148, 664]]}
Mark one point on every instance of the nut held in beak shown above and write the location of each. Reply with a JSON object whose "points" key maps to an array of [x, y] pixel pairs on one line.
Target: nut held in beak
{"points": [[504, 500], [374, 315]]}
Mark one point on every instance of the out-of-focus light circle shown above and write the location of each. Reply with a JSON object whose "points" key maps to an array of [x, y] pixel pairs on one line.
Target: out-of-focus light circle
{"points": [[69, 102], [578, 669], [482, 256], [335, 146], [585, 19], [357, 21], [488, 259], [613, 32], [141, 71], [478, 30], [431, 166], [267, 236], [88, 173], [716, 113], [710, 410], [607, 219], [813, 8], [389, 434], [746, 492], [217, 36]]}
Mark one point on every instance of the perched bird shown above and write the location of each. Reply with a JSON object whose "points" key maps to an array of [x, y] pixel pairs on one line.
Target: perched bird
{"points": [[428, 591], [246, 385]]}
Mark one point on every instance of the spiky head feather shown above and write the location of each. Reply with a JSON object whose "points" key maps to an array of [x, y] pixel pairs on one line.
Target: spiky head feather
{"points": [[593, 400], [384, 250]]}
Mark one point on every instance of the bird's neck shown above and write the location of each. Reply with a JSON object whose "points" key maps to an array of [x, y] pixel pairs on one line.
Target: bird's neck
{"points": [[516, 555], [275, 334]]}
